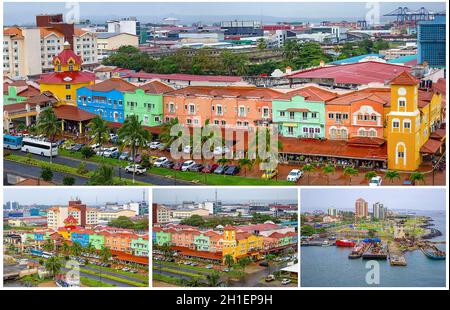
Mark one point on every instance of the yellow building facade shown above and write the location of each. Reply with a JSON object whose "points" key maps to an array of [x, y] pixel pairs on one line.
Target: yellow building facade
{"points": [[67, 77]]}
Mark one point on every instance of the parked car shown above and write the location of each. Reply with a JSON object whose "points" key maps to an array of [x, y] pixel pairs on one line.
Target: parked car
{"points": [[210, 168], [187, 164], [154, 145], [115, 154], [123, 156], [294, 175], [187, 149], [196, 168], [77, 147], [226, 270], [264, 264], [136, 168], [168, 164], [220, 169], [137, 159], [160, 161], [109, 151], [101, 151], [95, 146], [221, 150], [60, 142], [177, 166], [270, 278], [232, 170], [209, 266], [269, 174], [285, 281], [375, 181]]}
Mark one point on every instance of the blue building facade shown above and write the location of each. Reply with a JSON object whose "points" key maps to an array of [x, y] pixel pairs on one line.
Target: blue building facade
{"points": [[431, 42], [105, 99], [82, 239]]}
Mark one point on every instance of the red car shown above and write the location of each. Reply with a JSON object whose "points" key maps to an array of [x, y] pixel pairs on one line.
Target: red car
{"points": [[177, 166], [210, 168]]}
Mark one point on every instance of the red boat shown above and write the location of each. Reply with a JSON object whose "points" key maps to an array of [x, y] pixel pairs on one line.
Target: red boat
{"points": [[345, 243]]}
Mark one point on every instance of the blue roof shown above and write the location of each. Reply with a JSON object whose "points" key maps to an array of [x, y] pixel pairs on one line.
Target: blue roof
{"points": [[402, 59], [354, 59]]}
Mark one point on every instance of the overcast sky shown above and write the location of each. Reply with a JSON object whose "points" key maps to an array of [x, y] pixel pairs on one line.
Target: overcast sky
{"points": [[88, 195], [188, 12], [242, 195], [399, 198]]}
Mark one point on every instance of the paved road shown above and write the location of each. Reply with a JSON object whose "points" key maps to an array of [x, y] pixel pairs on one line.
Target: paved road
{"points": [[71, 162], [112, 273], [28, 171]]}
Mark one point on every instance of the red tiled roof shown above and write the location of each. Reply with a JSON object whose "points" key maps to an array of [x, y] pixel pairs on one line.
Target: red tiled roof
{"points": [[113, 83], [202, 254], [33, 182], [431, 146], [72, 113], [259, 227], [119, 255], [277, 235], [67, 54], [156, 87], [366, 141], [331, 148], [227, 91], [355, 73], [440, 86], [71, 77], [185, 77], [380, 95], [404, 78], [310, 93], [229, 227], [438, 134], [13, 32]]}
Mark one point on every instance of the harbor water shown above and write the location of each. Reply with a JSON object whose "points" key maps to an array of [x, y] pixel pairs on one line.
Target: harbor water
{"points": [[330, 266]]}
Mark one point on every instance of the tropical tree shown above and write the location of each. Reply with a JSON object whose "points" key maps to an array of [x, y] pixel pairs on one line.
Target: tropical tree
{"points": [[308, 169], [213, 279], [194, 282], [89, 248], [103, 175], [261, 44], [349, 172], [369, 175], [223, 161], [76, 249], [48, 245], [228, 260], [53, 265], [105, 254], [68, 180], [246, 163], [290, 50], [244, 262], [49, 126], [391, 175], [327, 170], [165, 136], [65, 248], [133, 135], [47, 174], [99, 130], [417, 177]]}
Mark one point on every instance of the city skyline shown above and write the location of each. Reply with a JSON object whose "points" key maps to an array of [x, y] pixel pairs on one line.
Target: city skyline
{"points": [[179, 195], [393, 199], [188, 12], [55, 196]]}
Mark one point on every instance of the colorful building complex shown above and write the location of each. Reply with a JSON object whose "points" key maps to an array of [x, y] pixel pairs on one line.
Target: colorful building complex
{"points": [[234, 241]]}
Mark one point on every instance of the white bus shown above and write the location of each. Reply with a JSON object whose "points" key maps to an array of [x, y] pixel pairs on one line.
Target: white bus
{"points": [[39, 147]]}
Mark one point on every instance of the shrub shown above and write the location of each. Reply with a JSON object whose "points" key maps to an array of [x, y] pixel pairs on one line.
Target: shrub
{"points": [[145, 162], [68, 180], [82, 169], [87, 152], [47, 174]]}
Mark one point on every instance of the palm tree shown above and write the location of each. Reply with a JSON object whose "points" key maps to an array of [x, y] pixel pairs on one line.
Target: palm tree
{"points": [[133, 135], [48, 245], [391, 175], [349, 171], [65, 248], [194, 282], [76, 249], [103, 175], [105, 254], [261, 44], [213, 279], [246, 163], [307, 169], [223, 161], [49, 125], [328, 170], [228, 260], [290, 50], [100, 131], [89, 248], [244, 262], [53, 265], [369, 175], [417, 177]]}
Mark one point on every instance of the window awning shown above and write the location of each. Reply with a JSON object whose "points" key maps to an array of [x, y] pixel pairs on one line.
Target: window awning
{"points": [[431, 146]]}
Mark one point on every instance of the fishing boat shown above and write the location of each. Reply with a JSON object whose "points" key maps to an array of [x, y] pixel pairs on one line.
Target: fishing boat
{"points": [[345, 243], [433, 253]]}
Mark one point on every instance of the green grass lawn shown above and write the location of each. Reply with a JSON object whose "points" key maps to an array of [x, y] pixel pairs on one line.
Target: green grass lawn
{"points": [[94, 283], [175, 265], [136, 276], [110, 277], [196, 177]]}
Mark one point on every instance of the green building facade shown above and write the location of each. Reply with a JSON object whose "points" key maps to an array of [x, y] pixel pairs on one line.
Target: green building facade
{"points": [[146, 105]]}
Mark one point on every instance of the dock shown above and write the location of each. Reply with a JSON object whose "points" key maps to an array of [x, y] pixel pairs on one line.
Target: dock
{"points": [[396, 257]]}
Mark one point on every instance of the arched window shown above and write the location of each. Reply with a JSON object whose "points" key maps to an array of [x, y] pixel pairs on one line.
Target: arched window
{"points": [[400, 153], [401, 102]]}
